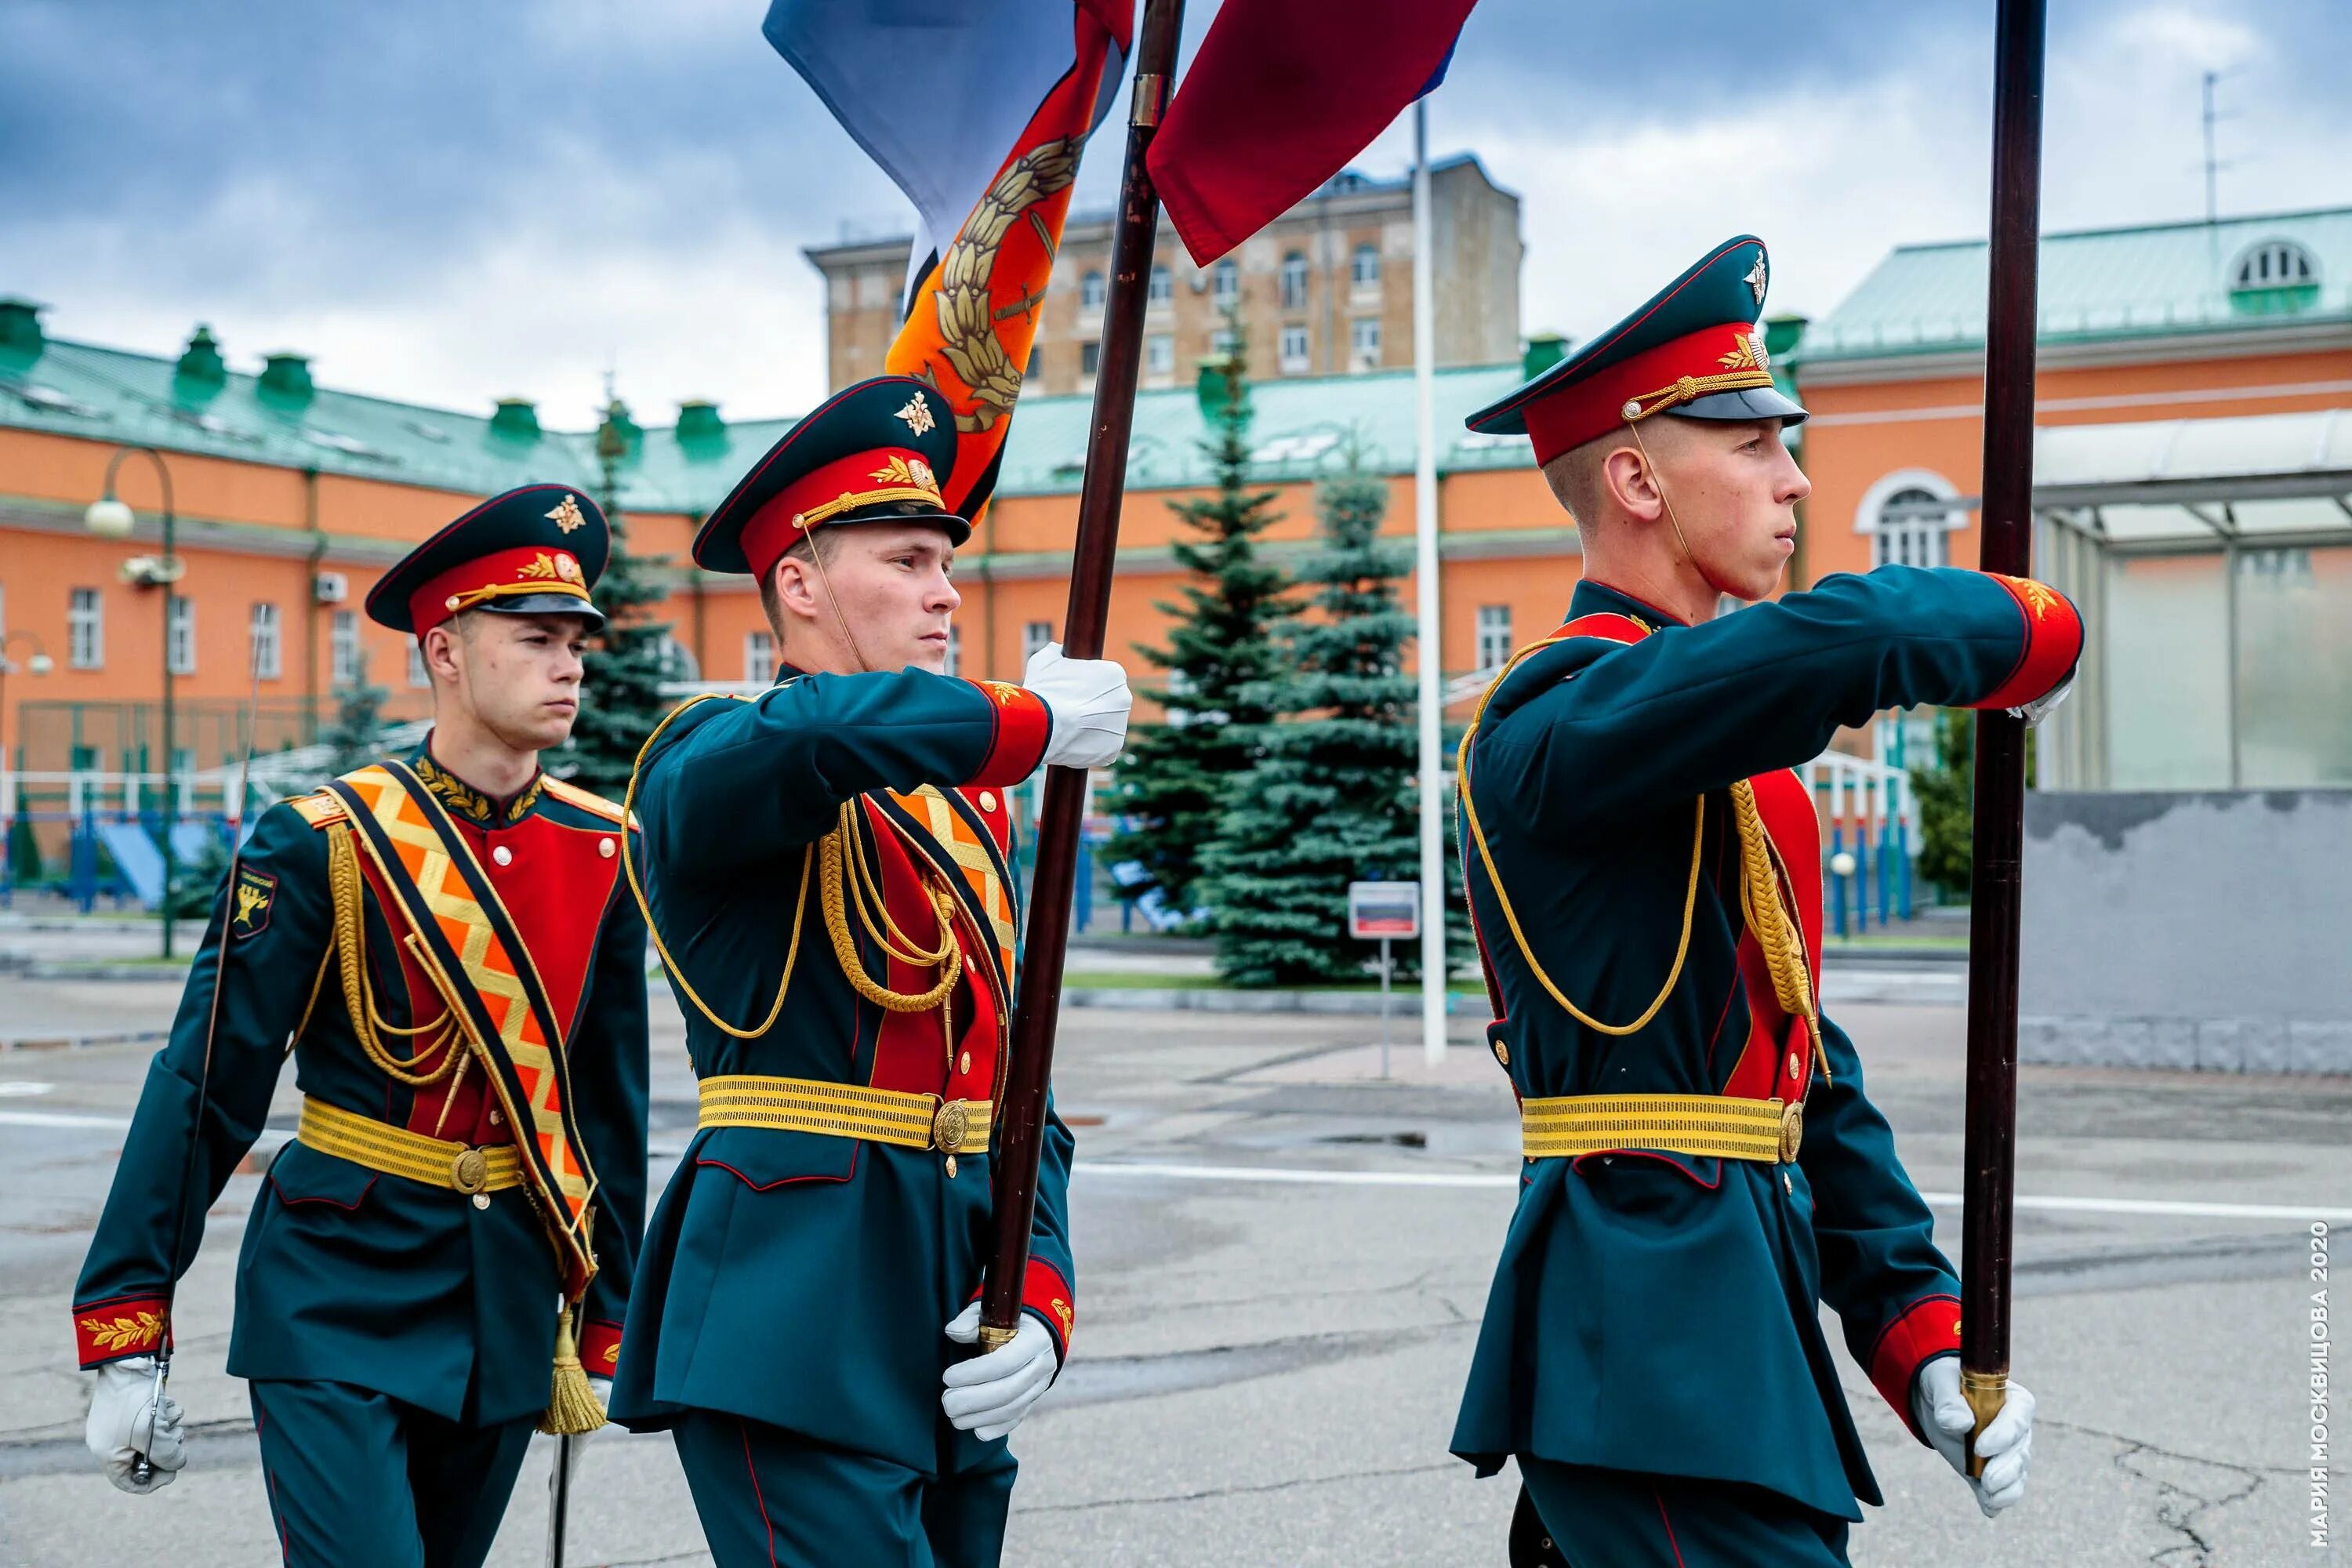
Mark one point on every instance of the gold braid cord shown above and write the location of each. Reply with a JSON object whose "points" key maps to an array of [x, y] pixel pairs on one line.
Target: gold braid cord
{"points": [[966, 331], [344, 885], [838, 892], [1759, 898]]}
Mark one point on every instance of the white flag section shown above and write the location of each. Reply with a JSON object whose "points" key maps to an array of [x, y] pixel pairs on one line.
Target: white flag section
{"points": [[935, 90]]}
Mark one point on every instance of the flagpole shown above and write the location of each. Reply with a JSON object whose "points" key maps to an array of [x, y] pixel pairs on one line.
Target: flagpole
{"points": [[1020, 1121], [1431, 662], [1989, 1150]]}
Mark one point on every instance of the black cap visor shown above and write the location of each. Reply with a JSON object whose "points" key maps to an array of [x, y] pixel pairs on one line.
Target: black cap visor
{"points": [[1747, 403], [546, 605]]}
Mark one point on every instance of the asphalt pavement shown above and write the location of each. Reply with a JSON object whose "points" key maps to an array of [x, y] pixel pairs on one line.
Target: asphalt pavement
{"points": [[1283, 1259]]}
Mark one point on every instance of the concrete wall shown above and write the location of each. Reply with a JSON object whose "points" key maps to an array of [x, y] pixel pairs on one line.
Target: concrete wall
{"points": [[2203, 931]]}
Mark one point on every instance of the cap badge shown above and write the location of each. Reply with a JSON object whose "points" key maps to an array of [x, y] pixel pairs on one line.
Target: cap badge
{"points": [[1756, 278], [1747, 353], [558, 567], [566, 516], [918, 416]]}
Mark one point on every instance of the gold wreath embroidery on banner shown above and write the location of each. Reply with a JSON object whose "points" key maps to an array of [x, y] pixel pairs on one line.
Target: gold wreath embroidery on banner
{"points": [[566, 516], [125, 1333], [967, 329]]}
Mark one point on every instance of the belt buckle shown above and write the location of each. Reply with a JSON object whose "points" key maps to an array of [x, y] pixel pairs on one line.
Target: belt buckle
{"points": [[1793, 1130], [950, 1125], [469, 1172]]}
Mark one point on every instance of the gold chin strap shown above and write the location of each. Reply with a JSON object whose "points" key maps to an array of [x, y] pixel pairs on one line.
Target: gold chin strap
{"points": [[834, 599], [1668, 502]]}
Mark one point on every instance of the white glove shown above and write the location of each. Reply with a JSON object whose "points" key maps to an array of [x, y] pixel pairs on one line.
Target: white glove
{"points": [[989, 1395], [2046, 704], [122, 1425], [2005, 1446], [1089, 701], [602, 1387]]}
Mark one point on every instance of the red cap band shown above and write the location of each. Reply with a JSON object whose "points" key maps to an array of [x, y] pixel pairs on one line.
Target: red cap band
{"points": [[502, 574], [861, 479], [1714, 358]]}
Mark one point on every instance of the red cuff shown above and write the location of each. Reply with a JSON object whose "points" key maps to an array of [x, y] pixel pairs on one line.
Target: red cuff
{"points": [[1023, 724], [2053, 642], [1044, 1293], [122, 1326], [600, 1349], [1929, 1326]]}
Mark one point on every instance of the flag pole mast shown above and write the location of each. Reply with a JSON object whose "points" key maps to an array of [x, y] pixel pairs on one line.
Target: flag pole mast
{"points": [[1020, 1124], [1428, 652], [1989, 1150]]}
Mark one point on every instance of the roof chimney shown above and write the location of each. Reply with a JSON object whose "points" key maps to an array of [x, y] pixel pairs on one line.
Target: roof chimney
{"points": [[20, 327], [698, 423], [517, 419], [200, 362], [286, 377], [1544, 351], [1780, 334]]}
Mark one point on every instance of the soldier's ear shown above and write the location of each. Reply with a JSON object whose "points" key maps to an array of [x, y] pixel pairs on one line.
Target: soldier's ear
{"points": [[1630, 478]]}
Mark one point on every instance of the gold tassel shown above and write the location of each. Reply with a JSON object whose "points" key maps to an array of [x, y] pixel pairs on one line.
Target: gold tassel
{"points": [[572, 1407]]}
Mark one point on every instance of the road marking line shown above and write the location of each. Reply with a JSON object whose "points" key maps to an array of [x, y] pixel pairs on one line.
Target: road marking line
{"points": [[1291, 1176], [62, 1119]]}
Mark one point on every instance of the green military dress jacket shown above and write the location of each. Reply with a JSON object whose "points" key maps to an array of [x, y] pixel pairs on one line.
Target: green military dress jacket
{"points": [[795, 1278], [349, 1275], [1658, 1311]]}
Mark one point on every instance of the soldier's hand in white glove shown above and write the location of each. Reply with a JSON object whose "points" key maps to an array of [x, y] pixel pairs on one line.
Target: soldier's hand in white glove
{"points": [[1089, 701], [122, 1425], [2046, 704], [2006, 1447], [989, 1395]]}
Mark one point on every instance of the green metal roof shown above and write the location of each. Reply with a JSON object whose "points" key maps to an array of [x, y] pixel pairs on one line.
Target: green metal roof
{"points": [[2095, 284], [1304, 426]]}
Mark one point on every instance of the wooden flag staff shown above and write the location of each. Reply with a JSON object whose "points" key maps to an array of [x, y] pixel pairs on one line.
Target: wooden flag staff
{"points": [[1019, 1134], [1990, 1149]]}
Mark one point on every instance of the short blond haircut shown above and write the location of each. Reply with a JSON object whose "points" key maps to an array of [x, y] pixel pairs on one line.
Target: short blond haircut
{"points": [[1576, 478]]}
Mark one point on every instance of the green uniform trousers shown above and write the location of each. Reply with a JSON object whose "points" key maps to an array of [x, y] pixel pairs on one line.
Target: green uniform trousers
{"points": [[1617, 1518], [772, 1498], [358, 1480]]}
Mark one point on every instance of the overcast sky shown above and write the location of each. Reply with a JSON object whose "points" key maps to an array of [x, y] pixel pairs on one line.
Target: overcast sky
{"points": [[452, 201]]}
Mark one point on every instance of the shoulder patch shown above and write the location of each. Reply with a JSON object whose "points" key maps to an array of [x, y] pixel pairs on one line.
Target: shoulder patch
{"points": [[251, 899], [319, 809], [586, 800]]}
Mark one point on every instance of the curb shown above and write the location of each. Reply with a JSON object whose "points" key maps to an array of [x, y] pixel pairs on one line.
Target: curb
{"points": [[84, 1042]]}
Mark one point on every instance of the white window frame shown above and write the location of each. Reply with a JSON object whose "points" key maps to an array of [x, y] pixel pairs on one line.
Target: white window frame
{"points": [[265, 648], [1357, 272], [86, 628], [1090, 350], [1297, 354], [1224, 340], [1294, 276], [343, 649], [1092, 291], [1161, 291], [182, 634], [1364, 342], [758, 657], [1159, 355], [1225, 281], [1035, 634], [1495, 644], [1902, 538]]}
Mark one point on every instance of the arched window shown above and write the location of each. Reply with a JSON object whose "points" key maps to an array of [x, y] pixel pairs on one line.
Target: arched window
{"points": [[1365, 271], [1090, 292], [1293, 281], [2274, 264], [1913, 529], [1227, 285]]}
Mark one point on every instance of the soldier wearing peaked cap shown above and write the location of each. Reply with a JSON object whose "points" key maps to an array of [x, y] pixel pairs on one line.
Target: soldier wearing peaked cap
{"points": [[439, 1259], [1703, 1168], [827, 872]]}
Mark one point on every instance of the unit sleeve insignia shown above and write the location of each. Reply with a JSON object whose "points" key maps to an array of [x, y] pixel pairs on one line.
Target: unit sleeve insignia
{"points": [[250, 904]]}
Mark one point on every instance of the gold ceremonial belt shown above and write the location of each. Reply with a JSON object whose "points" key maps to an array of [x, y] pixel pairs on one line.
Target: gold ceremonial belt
{"points": [[396, 1151], [847, 1111], [1769, 1131]]}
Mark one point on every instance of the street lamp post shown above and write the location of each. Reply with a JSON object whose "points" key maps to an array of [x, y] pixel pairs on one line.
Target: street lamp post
{"points": [[113, 519], [38, 664]]}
